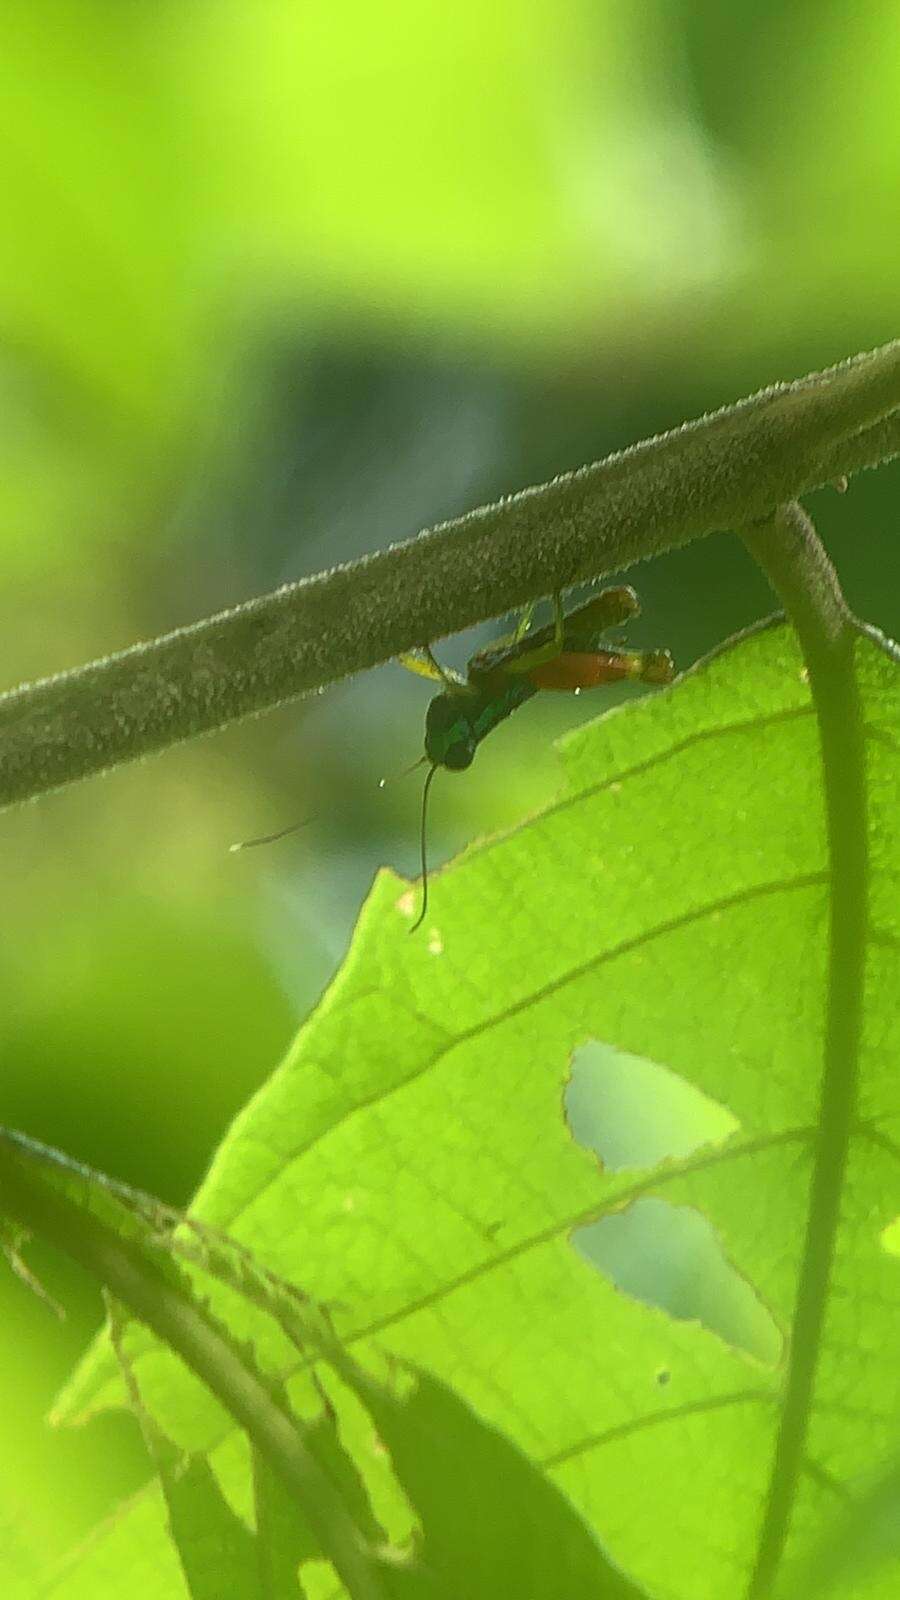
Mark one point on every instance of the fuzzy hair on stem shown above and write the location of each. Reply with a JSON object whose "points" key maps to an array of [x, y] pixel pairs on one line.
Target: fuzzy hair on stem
{"points": [[725, 470]]}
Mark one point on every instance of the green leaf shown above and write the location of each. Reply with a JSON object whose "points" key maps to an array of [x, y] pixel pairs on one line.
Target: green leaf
{"points": [[474, 1492], [855, 1547], [492, 1524], [125, 1239], [285, 1539], [411, 1163], [217, 1551], [20, 1565]]}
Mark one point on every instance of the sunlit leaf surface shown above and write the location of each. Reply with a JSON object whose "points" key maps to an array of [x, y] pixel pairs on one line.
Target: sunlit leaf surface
{"points": [[412, 1163]]}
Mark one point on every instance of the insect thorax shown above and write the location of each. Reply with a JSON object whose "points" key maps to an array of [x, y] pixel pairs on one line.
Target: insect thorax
{"points": [[456, 723]]}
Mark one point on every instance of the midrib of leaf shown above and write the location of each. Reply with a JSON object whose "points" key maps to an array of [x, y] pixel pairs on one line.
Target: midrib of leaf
{"points": [[835, 692]]}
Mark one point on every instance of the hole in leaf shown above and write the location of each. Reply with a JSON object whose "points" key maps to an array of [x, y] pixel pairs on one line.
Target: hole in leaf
{"points": [[634, 1113], [670, 1257]]}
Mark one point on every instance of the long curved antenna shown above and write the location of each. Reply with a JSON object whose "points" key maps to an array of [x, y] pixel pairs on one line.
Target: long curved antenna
{"points": [[270, 838], [422, 845]]}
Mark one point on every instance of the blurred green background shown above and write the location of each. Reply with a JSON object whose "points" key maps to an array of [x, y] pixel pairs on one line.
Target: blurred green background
{"points": [[283, 282]]}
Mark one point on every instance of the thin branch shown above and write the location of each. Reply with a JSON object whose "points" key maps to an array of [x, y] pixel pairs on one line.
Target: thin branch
{"points": [[787, 548], [722, 471]]}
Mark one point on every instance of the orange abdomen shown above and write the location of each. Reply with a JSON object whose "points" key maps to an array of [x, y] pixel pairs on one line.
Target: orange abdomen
{"points": [[585, 670]]}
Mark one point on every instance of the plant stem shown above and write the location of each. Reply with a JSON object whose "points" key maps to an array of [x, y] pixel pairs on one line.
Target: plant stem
{"points": [[722, 471], [135, 1279], [789, 551]]}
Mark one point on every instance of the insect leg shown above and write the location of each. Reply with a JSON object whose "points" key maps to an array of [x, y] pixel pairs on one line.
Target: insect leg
{"points": [[426, 665], [524, 623]]}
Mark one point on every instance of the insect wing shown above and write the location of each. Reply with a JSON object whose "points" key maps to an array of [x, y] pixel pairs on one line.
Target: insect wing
{"points": [[608, 609], [519, 655]]}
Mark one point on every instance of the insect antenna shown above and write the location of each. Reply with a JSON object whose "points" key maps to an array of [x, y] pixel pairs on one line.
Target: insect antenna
{"points": [[294, 827], [270, 838], [383, 782], [423, 849]]}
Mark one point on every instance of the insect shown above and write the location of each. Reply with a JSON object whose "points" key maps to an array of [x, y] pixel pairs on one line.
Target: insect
{"points": [[564, 655], [567, 654]]}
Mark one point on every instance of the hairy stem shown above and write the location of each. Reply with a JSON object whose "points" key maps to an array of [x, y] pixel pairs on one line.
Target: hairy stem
{"points": [[135, 1279], [722, 471], [787, 548]]}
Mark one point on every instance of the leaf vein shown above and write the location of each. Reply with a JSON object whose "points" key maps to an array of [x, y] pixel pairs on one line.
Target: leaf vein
{"points": [[658, 759], [659, 930], [624, 1430], [653, 1180]]}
